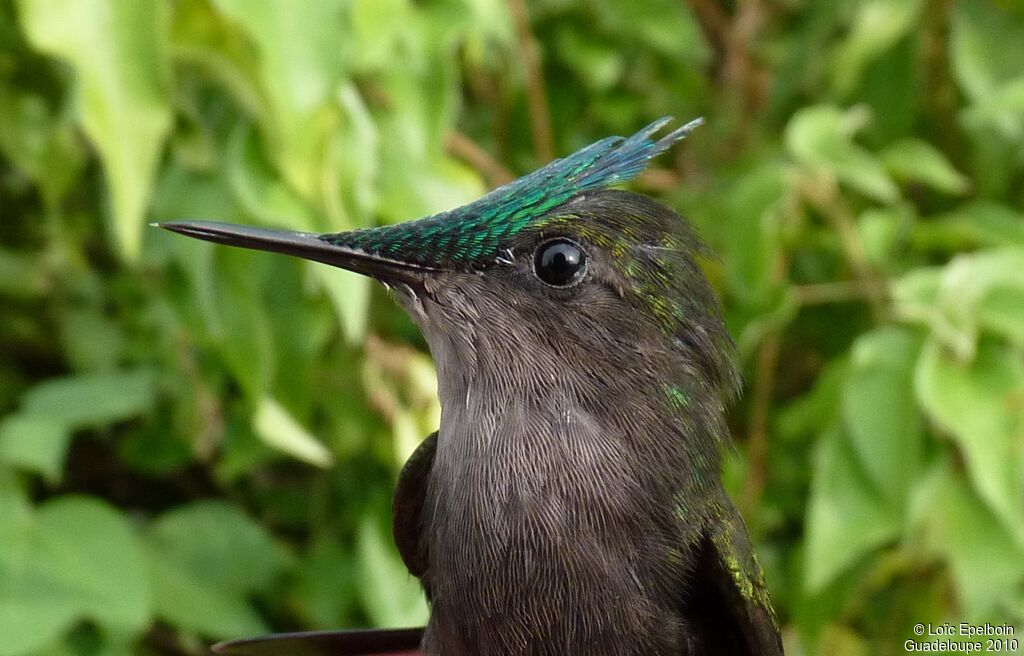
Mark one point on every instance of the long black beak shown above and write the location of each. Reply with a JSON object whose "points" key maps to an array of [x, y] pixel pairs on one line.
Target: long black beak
{"points": [[306, 245]]}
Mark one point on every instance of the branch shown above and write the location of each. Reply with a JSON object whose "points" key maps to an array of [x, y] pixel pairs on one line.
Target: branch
{"points": [[540, 118], [832, 292], [757, 438], [658, 180], [715, 21], [461, 146], [825, 198], [760, 411]]}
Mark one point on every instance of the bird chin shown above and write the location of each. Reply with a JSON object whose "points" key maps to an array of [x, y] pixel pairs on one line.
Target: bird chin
{"points": [[409, 297]]}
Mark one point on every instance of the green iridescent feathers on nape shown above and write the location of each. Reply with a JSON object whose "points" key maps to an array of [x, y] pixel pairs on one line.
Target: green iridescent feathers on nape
{"points": [[473, 235]]}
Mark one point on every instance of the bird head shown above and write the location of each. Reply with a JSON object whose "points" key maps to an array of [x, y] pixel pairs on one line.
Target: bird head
{"points": [[552, 282]]}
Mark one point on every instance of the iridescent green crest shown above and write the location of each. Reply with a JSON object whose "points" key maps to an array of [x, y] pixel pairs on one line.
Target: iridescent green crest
{"points": [[476, 233]]}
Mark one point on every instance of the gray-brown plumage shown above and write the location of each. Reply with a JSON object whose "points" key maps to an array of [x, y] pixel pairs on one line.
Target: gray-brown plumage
{"points": [[570, 502]]}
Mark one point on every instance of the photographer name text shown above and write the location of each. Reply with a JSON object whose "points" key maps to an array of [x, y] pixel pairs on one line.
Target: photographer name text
{"points": [[962, 638]]}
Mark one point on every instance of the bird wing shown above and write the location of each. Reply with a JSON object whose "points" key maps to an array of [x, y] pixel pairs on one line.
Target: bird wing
{"points": [[407, 507], [728, 598]]}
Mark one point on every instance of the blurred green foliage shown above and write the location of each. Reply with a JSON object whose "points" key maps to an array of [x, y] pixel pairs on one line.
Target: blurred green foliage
{"points": [[199, 443]]}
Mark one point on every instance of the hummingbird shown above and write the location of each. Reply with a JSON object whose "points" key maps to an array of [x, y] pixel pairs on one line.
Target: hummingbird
{"points": [[571, 501]]}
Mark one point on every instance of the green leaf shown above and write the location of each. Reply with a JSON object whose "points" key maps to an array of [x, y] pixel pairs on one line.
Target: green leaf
{"points": [[240, 322], [1002, 111], [880, 231], [975, 402], [817, 410], [378, 27], [201, 37], [986, 49], [205, 559], [326, 585], [279, 429], [91, 400], [919, 161], [390, 596], [877, 26], [417, 177], [91, 340], [36, 443], [821, 138], [119, 54], [353, 161], [598, 62], [986, 561], [42, 145], [975, 291], [90, 547], [270, 201], [971, 225], [838, 640], [662, 25], [23, 275], [185, 600], [301, 61], [349, 294], [219, 544], [987, 59], [1001, 312], [898, 108], [755, 205], [880, 413], [434, 185], [74, 558], [15, 515], [970, 280], [258, 190], [846, 516], [34, 612], [406, 435], [242, 451]]}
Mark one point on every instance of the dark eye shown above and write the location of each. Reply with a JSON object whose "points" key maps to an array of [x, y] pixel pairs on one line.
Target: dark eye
{"points": [[559, 262]]}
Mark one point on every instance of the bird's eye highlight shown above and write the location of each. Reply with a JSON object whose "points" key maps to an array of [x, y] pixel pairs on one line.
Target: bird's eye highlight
{"points": [[559, 263]]}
